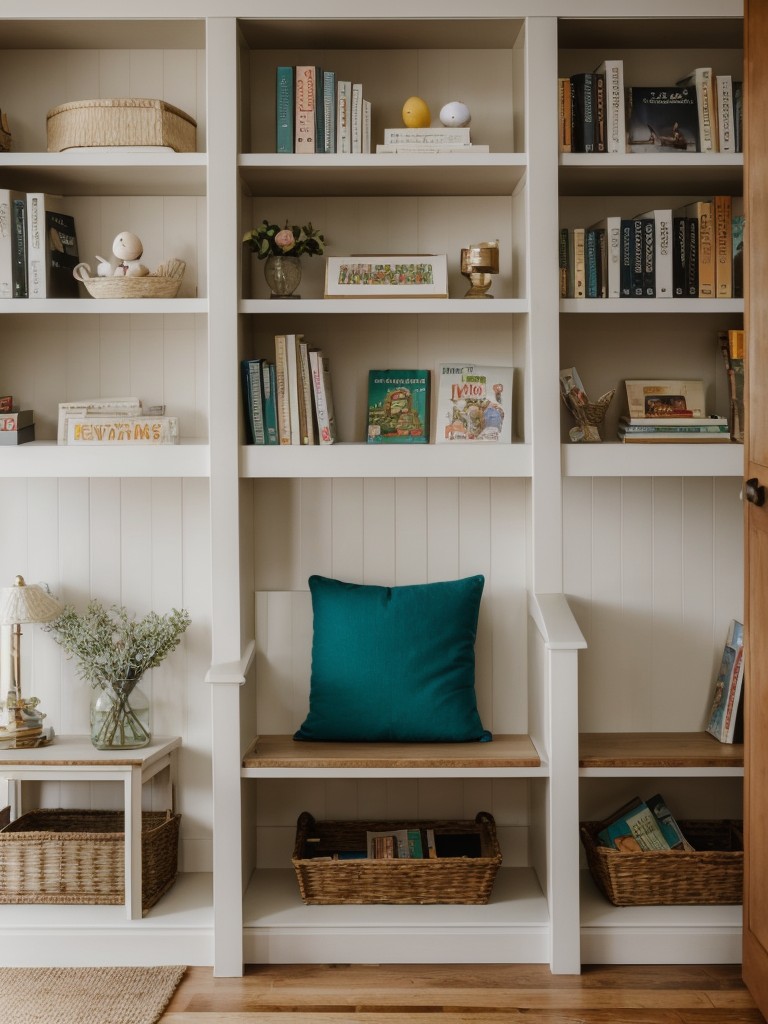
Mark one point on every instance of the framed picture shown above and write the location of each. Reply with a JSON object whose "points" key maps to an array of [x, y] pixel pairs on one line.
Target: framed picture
{"points": [[381, 277]]}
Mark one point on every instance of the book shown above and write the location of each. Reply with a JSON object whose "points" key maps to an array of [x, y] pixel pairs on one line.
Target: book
{"points": [[663, 398], [306, 417], [19, 253], [667, 823], [7, 241], [319, 110], [647, 231], [714, 423], [633, 829], [268, 389], [591, 263], [564, 114], [700, 79], [94, 407], [37, 277], [474, 403], [660, 437], [292, 387], [627, 256], [738, 109], [638, 260], [20, 436], [253, 400], [583, 130], [611, 227], [6, 403], [726, 134], [304, 109], [281, 389], [662, 251], [661, 119], [615, 124], [121, 430], [343, 117], [426, 147], [598, 82], [732, 348], [737, 246], [356, 117], [62, 255], [366, 127], [16, 420], [329, 111], [563, 264], [284, 105], [692, 258], [323, 393], [703, 214], [728, 685], [427, 136], [723, 247], [398, 406], [679, 255], [579, 263]]}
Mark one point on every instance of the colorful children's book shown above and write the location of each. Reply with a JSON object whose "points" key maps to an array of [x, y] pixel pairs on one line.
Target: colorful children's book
{"points": [[474, 403], [398, 407]]}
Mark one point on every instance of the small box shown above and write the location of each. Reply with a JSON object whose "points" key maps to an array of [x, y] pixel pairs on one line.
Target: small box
{"points": [[120, 122], [74, 856]]}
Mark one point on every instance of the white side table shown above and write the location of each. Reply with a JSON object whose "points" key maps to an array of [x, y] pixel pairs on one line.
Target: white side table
{"points": [[75, 759]]}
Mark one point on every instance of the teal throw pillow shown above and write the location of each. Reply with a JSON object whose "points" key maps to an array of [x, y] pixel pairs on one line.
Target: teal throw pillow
{"points": [[394, 664]]}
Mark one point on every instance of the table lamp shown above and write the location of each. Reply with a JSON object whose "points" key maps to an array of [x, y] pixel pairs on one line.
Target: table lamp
{"points": [[22, 723], [478, 262]]}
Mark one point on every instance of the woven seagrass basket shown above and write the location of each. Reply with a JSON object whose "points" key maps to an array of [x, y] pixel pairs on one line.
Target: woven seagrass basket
{"points": [[120, 122], [427, 880], [163, 283], [74, 856], [711, 874]]}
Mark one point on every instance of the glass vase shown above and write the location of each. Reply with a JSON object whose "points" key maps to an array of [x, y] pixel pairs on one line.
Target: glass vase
{"points": [[120, 716], [282, 274]]}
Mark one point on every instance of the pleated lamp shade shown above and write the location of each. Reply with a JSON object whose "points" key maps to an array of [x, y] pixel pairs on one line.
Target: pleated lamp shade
{"points": [[27, 603]]}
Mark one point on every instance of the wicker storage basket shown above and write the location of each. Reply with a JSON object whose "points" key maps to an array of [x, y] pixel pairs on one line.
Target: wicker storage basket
{"points": [[120, 122], [163, 283], [72, 856], [711, 874], [438, 880]]}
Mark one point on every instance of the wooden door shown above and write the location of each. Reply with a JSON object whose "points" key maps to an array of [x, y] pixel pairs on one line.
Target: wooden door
{"points": [[756, 507]]}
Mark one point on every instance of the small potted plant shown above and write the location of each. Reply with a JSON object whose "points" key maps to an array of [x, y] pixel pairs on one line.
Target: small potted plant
{"points": [[114, 650], [282, 248]]}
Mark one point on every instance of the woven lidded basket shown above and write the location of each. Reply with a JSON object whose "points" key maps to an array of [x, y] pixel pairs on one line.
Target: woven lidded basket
{"points": [[427, 880], [73, 856], [120, 122], [712, 873]]}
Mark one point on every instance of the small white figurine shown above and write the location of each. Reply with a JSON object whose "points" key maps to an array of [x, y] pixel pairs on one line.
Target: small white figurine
{"points": [[455, 115], [128, 249]]}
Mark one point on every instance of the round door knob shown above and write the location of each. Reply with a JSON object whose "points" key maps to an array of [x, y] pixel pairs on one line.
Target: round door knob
{"points": [[755, 492]]}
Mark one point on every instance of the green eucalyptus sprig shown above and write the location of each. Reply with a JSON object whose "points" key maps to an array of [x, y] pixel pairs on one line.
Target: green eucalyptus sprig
{"points": [[271, 240], [110, 644]]}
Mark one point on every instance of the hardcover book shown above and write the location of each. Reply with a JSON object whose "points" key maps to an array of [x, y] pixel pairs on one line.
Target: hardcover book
{"points": [[304, 112], [62, 255], [253, 400], [474, 403], [123, 407], [323, 395], [662, 119], [701, 80], [728, 685], [398, 406], [16, 420], [662, 251], [7, 241], [284, 102], [664, 398], [583, 99], [615, 130]]}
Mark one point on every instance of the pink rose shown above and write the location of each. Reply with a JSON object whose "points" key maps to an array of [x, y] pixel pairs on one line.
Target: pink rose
{"points": [[284, 239]]}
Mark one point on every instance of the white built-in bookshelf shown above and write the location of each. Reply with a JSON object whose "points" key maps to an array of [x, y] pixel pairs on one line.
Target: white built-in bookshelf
{"points": [[611, 571]]}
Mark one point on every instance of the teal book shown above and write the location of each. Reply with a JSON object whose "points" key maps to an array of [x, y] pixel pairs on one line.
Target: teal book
{"points": [[398, 406], [319, 111], [329, 111], [268, 390], [253, 400], [284, 110]]}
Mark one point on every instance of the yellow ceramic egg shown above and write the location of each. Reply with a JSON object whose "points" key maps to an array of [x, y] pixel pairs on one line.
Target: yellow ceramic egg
{"points": [[416, 113]]}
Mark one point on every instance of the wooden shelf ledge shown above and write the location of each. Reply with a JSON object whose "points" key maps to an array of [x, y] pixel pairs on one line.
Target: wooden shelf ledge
{"points": [[283, 752], [657, 750]]}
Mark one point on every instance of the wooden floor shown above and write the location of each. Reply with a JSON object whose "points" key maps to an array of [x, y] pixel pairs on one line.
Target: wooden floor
{"points": [[487, 994]]}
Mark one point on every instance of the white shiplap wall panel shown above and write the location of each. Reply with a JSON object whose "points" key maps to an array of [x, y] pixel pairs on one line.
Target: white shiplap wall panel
{"points": [[636, 625], [379, 532], [347, 538], [410, 565]]}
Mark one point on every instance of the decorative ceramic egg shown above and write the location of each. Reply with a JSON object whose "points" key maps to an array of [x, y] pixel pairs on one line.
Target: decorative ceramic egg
{"points": [[455, 115], [416, 113]]}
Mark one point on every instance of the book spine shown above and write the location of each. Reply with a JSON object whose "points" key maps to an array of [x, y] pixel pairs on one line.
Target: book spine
{"points": [[707, 127], [599, 92], [6, 244], [637, 260], [61, 254], [305, 397], [563, 263], [579, 264], [564, 113], [19, 248], [268, 386], [427, 136], [582, 89], [36, 246], [590, 262], [615, 130], [649, 257], [737, 246], [706, 251], [663, 253], [613, 257], [738, 110], [627, 249], [305, 109], [357, 118], [281, 392], [329, 111], [319, 110], [602, 263], [344, 118], [292, 385], [723, 247], [692, 258], [366, 127], [284, 101], [679, 254], [254, 409], [725, 134]]}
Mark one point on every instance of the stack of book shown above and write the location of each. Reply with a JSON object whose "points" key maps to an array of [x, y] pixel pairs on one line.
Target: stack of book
{"points": [[290, 400], [316, 113], [429, 140], [643, 825], [17, 426], [38, 247], [670, 411]]}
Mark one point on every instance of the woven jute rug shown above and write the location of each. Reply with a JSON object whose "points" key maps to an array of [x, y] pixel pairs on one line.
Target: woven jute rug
{"points": [[86, 995]]}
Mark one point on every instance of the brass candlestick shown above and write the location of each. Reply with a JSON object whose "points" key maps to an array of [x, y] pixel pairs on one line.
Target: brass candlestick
{"points": [[478, 263]]}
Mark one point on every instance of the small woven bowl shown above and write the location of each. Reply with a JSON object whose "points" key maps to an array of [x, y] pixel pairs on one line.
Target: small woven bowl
{"points": [[163, 283]]}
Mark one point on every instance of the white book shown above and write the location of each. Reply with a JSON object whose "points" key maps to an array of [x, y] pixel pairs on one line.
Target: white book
{"points": [[425, 147], [701, 78], [726, 134], [612, 228], [281, 389], [292, 386], [344, 117], [122, 430], [662, 250], [95, 407], [615, 132], [321, 385], [366, 140], [7, 241], [433, 136], [37, 249], [357, 118]]}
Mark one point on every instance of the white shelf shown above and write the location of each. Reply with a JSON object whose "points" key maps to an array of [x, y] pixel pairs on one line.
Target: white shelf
{"points": [[278, 927], [654, 935], [91, 306], [384, 174], [615, 459], [394, 460], [47, 459], [178, 929], [386, 307], [710, 307], [106, 174], [620, 174]]}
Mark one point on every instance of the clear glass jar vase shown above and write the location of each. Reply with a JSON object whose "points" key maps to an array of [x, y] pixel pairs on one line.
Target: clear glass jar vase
{"points": [[282, 274], [120, 716]]}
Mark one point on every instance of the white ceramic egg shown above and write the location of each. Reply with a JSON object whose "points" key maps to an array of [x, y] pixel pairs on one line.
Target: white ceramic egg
{"points": [[455, 115]]}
